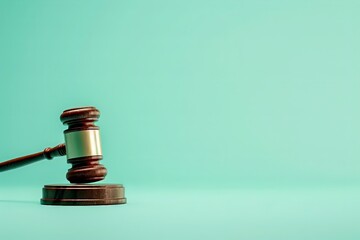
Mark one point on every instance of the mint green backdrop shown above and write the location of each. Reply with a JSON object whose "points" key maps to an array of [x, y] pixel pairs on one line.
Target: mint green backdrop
{"points": [[203, 102]]}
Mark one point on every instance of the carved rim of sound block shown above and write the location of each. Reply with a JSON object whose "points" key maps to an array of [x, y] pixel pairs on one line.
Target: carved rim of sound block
{"points": [[83, 194]]}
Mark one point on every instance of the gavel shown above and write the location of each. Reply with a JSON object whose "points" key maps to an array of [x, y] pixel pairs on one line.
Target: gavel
{"points": [[82, 147], [83, 151]]}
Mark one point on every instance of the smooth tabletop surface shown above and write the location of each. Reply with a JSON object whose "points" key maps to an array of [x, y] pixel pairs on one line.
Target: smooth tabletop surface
{"points": [[240, 213]]}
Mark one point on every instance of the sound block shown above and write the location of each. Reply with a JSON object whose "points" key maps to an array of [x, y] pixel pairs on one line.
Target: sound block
{"points": [[83, 194]]}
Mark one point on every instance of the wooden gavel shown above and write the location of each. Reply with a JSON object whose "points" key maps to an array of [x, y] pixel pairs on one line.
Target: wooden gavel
{"points": [[82, 147]]}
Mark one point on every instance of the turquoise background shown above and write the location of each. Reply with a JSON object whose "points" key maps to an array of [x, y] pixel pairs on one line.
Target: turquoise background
{"points": [[224, 119]]}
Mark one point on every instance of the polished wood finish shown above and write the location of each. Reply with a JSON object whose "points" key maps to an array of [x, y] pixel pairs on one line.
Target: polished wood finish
{"points": [[83, 194], [84, 169], [48, 153]]}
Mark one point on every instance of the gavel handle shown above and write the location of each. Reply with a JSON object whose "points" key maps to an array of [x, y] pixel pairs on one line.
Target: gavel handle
{"points": [[48, 153]]}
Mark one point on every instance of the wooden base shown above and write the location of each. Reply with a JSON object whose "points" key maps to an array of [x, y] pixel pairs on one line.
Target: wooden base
{"points": [[83, 194]]}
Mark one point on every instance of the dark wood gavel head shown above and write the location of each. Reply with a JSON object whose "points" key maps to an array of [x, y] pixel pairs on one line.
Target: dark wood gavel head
{"points": [[83, 147]]}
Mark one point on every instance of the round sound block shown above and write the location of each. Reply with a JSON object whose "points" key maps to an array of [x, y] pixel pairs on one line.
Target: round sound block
{"points": [[83, 194]]}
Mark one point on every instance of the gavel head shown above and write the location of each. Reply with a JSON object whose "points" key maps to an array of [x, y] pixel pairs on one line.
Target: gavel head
{"points": [[83, 148]]}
